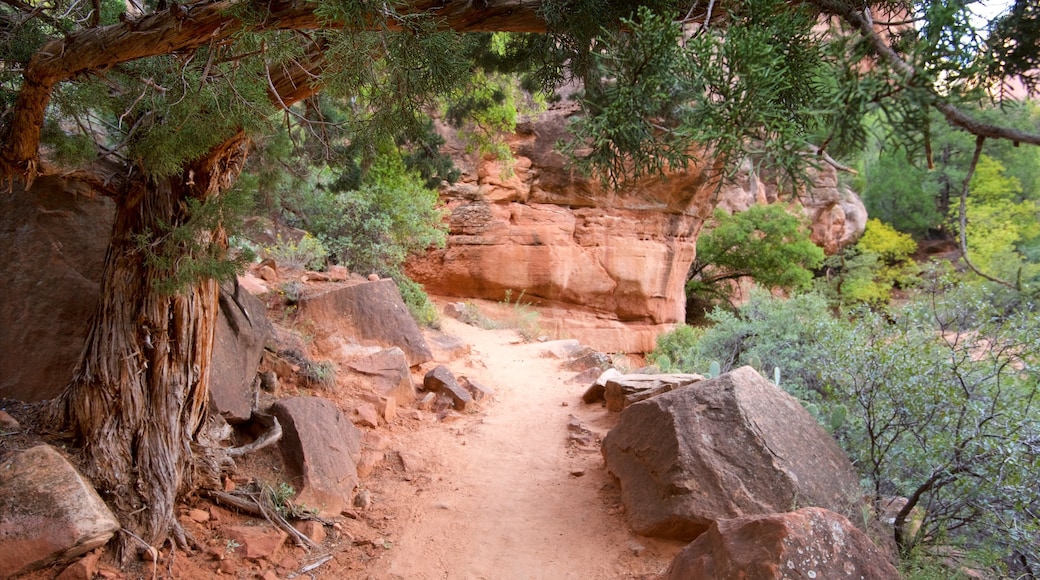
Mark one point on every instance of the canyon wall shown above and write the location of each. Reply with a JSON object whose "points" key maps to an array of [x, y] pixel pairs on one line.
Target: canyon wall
{"points": [[604, 266]]}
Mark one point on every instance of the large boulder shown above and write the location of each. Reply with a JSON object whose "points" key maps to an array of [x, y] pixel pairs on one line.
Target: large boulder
{"points": [[242, 331], [722, 448], [370, 313], [54, 241], [321, 448], [48, 512], [809, 543]]}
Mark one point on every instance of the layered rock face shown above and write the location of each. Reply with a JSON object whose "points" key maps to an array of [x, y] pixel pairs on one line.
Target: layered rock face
{"points": [[606, 267]]}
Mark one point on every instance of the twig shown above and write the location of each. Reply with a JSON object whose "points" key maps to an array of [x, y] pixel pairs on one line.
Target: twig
{"points": [[311, 566]]}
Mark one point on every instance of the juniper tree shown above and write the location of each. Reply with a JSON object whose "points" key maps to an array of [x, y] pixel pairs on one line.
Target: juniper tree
{"points": [[155, 105]]}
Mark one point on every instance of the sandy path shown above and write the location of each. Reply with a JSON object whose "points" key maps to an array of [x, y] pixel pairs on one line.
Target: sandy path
{"points": [[503, 497]]}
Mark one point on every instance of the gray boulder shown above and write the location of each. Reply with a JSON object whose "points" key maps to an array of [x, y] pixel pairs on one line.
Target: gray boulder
{"points": [[722, 448], [48, 512]]}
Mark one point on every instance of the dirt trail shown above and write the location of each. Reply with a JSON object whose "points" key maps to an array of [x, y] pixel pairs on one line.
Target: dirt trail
{"points": [[504, 496]]}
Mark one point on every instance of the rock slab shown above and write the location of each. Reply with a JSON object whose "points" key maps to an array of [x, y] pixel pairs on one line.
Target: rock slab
{"points": [[722, 448], [624, 390], [808, 543], [48, 512], [242, 331], [321, 448], [372, 313]]}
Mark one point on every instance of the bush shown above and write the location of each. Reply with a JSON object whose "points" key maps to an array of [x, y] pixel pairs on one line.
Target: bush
{"points": [[307, 253], [373, 228], [935, 401]]}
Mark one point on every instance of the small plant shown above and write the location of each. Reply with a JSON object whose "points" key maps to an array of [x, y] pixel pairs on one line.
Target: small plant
{"points": [[524, 318], [291, 292], [306, 254], [714, 369], [319, 374], [230, 546]]}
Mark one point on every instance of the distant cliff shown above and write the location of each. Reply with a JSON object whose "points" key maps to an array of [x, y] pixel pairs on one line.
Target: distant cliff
{"points": [[606, 267]]}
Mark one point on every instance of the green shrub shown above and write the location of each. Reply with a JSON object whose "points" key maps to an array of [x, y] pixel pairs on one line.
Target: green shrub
{"points": [[307, 253]]}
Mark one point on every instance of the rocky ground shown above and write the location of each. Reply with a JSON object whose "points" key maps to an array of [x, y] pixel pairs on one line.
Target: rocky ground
{"points": [[513, 488]]}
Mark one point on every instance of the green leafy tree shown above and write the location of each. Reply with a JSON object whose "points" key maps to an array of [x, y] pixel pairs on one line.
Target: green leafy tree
{"points": [[867, 272], [766, 243], [1000, 223]]}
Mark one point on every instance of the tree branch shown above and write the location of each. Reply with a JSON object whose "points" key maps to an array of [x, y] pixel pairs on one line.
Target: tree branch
{"points": [[979, 141], [954, 116], [186, 27]]}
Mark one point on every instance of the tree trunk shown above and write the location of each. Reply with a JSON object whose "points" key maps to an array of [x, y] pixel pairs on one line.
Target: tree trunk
{"points": [[138, 397]]}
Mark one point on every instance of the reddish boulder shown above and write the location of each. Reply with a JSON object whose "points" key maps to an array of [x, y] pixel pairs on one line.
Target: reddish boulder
{"points": [[370, 313], [726, 447], [808, 543], [48, 512], [386, 373], [321, 448], [54, 241], [242, 331]]}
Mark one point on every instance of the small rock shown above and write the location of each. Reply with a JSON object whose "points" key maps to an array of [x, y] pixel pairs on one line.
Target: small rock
{"points": [[267, 274], [426, 402], [338, 273], [150, 554], [8, 423], [441, 380], [476, 390], [255, 542], [269, 381], [368, 462], [313, 529], [366, 415], [83, 569], [269, 575], [373, 277], [199, 516], [578, 472], [636, 548], [363, 499], [411, 462], [376, 440]]}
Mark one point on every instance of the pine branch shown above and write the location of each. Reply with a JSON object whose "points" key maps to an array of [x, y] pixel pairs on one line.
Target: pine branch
{"points": [[954, 116]]}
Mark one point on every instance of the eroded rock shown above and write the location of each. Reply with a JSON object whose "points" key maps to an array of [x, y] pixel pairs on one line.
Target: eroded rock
{"points": [[726, 447], [809, 543], [441, 380], [370, 313], [386, 374], [48, 512], [622, 391]]}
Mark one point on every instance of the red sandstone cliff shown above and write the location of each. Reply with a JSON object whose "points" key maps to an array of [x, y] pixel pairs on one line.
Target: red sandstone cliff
{"points": [[606, 267]]}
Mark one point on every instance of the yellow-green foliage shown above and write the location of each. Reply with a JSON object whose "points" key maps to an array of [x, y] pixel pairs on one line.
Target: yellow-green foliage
{"points": [[879, 262]]}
